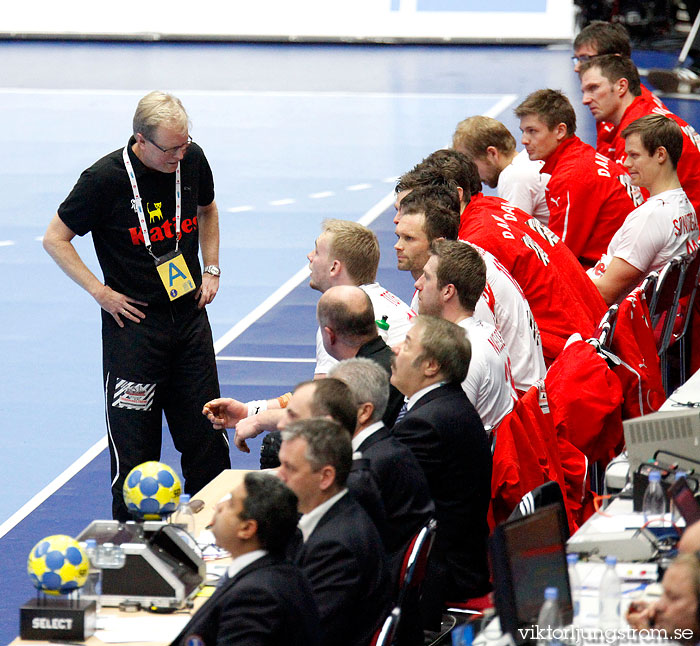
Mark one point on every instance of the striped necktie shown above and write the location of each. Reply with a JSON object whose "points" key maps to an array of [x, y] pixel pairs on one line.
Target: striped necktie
{"points": [[402, 412]]}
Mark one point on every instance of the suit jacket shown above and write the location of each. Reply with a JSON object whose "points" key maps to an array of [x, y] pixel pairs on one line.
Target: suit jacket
{"points": [[380, 352], [344, 561], [362, 485], [402, 486], [447, 437], [267, 603]]}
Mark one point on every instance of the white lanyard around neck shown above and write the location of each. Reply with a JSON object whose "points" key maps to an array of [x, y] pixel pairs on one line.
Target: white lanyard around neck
{"points": [[139, 206]]}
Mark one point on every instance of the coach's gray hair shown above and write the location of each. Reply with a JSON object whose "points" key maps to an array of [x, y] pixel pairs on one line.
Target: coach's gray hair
{"points": [[368, 382], [160, 109]]}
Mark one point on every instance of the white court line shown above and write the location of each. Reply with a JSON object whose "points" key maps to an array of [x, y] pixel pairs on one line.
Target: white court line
{"points": [[504, 102], [266, 359], [53, 486]]}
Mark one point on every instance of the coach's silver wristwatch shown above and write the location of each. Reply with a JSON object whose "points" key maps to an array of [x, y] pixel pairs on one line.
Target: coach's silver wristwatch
{"points": [[213, 270]]}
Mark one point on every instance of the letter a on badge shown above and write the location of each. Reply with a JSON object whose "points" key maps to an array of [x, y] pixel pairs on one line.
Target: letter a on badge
{"points": [[175, 272], [175, 275]]}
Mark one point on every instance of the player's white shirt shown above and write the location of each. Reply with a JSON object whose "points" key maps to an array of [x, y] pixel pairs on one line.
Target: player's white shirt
{"points": [[399, 317], [510, 312], [663, 227], [522, 184], [415, 304], [504, 306], [489, 385]]}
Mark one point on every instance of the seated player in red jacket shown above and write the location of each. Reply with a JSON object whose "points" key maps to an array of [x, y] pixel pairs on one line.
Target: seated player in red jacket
{"points": [[612, 92], [588, 195], [562, 298], [596, 39]]}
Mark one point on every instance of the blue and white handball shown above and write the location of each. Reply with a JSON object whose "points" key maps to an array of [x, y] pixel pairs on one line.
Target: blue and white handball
{"points": [[58, 564], [152, 490]]}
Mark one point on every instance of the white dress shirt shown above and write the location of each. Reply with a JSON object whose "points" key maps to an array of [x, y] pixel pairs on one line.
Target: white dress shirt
{"points": [[308, 522]]}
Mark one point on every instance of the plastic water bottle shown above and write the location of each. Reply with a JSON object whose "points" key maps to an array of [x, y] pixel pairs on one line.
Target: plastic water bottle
{"points": [[654, 503], [574, 585], [549, 619], [93, 586], [610, 595], [183, 515], [675, 514]]}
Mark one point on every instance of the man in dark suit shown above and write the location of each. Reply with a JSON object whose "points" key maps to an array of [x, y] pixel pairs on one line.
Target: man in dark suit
{"points": [[332, 399], [348, 329], [444, 432], [401, 481], [263, 600], [341, 553], [402, 484]]}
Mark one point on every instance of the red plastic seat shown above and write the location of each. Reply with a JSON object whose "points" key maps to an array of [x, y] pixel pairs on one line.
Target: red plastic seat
{"points": [[606, 328], [671, 307], [687, 300], [477, 605], [415, 560]]}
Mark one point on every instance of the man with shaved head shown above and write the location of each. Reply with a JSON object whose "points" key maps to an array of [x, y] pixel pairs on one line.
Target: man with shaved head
{"points": [[348, 329]]}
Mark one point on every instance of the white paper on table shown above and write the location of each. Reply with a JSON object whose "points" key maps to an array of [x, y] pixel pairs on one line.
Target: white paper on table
{"points": [[153, 628]]}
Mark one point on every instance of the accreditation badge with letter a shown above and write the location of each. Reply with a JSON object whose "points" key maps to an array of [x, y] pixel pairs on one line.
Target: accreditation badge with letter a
{"points": [[175, 275]]}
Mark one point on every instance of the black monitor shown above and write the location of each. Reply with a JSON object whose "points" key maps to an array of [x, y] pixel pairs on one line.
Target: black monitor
{"points": [[528, 554]]}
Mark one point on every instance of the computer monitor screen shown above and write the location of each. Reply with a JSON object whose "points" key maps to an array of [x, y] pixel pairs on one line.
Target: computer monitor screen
{"points": [[528, 555]]}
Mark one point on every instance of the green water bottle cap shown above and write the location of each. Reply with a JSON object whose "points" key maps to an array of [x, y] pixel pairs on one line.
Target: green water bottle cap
{"points": [[384, 323]]}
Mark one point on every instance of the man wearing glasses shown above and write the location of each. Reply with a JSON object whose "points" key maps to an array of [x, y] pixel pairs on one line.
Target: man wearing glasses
{"points": [[150, 207], [600, 38]]}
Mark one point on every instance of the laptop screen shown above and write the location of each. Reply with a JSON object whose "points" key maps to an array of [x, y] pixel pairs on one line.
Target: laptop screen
{"points": [[528, 555]]}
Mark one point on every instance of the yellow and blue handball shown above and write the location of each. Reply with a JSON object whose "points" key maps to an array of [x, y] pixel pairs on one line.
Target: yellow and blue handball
{"points": [[152, 490], [58, 564]]}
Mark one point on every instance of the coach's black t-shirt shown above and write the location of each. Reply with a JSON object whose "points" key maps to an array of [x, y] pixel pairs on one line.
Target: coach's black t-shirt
{"points": [[102, 202]]}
